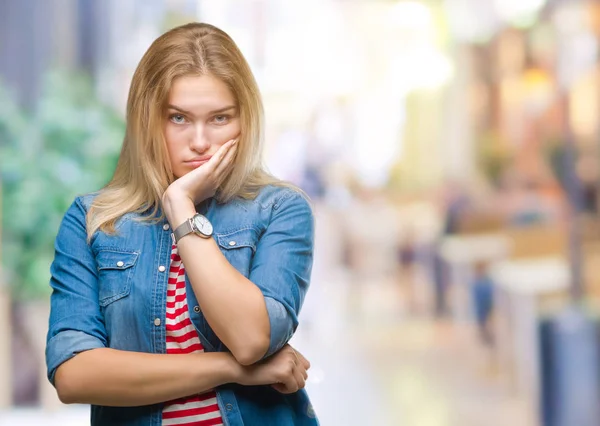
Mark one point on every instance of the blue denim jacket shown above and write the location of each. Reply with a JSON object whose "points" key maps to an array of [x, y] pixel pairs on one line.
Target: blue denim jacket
{"points": [[112, 293]]}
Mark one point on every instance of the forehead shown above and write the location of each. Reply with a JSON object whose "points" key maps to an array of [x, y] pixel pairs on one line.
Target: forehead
{"points": [[200, 91]]}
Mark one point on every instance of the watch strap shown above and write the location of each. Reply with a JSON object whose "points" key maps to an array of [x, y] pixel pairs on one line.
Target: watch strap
{"points": [[182, 230]]}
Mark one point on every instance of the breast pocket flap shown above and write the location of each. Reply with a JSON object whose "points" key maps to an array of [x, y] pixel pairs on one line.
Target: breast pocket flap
{"points": [[246, 237], [114, 274]]}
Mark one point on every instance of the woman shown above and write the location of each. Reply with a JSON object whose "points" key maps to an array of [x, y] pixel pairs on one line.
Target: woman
{"points": [[177, 287]]}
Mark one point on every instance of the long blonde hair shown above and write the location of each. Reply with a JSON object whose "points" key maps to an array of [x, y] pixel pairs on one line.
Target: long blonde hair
{"points": [[143, 171]]}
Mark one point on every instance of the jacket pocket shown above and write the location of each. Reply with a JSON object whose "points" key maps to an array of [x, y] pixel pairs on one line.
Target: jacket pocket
{"points": [[115, 273], [238, 247]]}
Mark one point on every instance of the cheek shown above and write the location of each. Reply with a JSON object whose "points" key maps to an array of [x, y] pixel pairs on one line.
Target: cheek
{"points": [[176, 144], [175, 139], [221, 135]]}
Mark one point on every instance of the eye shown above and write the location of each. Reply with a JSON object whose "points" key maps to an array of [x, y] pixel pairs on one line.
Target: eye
{"points": [[177, 119], [221, 119]]}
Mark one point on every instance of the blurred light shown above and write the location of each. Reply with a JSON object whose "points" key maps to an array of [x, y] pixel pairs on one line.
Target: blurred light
{"points": [[411, 15], [519, 11], [471, 20], [577, 55], [381, 117], [421, 68], [584, 105], [539, 90], [570, 18]]}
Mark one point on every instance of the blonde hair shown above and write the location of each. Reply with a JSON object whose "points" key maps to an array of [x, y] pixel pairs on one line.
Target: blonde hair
{"points": [[143, 171]]}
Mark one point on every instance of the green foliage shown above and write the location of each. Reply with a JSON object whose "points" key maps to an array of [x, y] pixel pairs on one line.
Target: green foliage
{"points": [[68, 146]]}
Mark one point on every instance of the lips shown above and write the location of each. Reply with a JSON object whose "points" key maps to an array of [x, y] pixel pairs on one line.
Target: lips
{"points": [[197, 162]]}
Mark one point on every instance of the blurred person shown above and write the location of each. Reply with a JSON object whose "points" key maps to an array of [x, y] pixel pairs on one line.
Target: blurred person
{"points": [[482, 293], [406, 253], [134, 333], [588, 173], [455, 204]]}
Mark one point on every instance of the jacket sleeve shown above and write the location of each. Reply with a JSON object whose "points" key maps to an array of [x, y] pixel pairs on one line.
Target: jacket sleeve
{"points": [[282, 266], [76, 322]]}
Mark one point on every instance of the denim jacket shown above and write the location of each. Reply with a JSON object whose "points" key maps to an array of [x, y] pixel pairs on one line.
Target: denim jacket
{"points": [[111, 292]]}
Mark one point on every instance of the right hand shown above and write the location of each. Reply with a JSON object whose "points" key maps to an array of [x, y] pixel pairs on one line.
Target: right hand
{"points": [[285, 371]]}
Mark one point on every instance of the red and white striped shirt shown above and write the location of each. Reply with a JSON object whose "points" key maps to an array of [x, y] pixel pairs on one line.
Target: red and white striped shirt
{"points": [[196, 410]]}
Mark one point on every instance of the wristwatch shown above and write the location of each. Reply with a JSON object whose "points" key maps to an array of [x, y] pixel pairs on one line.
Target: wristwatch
{"points": [[198, 224]]}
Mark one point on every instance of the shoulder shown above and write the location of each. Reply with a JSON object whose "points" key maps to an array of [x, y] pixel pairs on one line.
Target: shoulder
{"points": [[86, 200], [272, 203], [273, 197], [287, 207]]}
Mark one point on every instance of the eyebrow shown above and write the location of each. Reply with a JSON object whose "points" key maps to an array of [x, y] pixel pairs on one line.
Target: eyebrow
{"points": [[217, 111]]}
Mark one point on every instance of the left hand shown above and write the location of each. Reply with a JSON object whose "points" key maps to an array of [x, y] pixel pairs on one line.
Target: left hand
{"points": [[203, 182]]}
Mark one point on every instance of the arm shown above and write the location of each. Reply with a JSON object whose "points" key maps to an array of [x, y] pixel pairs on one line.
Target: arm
{"points": [[233, 306], [253, 317], [80, 366], [124, 379]]}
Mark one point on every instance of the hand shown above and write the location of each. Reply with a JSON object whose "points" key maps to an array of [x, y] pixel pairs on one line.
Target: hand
{"points": [[285, 371], [203, 182]]}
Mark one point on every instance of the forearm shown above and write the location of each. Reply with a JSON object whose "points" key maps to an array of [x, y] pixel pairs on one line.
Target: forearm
{"points": [[120, 378], [233, 306]]}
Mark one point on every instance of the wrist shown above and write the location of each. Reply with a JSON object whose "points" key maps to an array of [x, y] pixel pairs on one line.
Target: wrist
{"points": [[232, 371], [177, 207]]}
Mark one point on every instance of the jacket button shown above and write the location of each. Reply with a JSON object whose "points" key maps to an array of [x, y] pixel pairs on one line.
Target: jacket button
{"points": [[161, 268], [166, 226], [197, 309], [232, 243], [120, 263], [229, 407], [157, 322]]}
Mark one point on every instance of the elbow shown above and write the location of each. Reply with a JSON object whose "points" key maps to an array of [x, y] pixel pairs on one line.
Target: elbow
{"points": [[251, 352], [68, 386], [65, 388], [65, 396]]}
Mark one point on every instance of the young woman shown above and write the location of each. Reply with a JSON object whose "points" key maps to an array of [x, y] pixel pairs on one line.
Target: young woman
{"points": [[177, 286]]}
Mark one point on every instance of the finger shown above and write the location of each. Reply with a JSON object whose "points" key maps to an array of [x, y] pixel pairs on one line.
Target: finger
{"points": [[280, 388], [301, 364], [224, 170], [290, 385], [300, 379], [290, 381], [216, 159], [302, 372], [302, 360], [227, 161]]}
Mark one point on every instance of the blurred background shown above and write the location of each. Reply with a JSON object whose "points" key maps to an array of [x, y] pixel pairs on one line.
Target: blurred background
{"points": [[451, 148]]}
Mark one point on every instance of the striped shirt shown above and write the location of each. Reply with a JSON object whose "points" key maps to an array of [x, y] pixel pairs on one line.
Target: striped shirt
{"points": [[182, 338]]}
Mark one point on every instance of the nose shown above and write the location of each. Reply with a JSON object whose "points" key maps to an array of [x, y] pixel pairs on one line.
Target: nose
{"points": [[199, 141]]}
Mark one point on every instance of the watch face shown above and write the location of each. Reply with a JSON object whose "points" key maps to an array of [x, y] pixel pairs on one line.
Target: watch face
{"points": [[203, 225]]}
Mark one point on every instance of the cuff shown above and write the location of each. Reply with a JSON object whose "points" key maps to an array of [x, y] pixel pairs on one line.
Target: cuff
{"points": [[65, 345], [282, 325]]}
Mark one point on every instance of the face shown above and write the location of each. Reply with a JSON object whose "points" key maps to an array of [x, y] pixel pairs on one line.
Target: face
{"points": [[201, 116]]}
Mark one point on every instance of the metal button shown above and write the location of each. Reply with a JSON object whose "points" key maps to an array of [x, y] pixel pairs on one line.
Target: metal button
{"points": [[232, 243], [229, 407], [161, 268], [197, 309], [166, 226], [157, 322], [120, 263]]}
